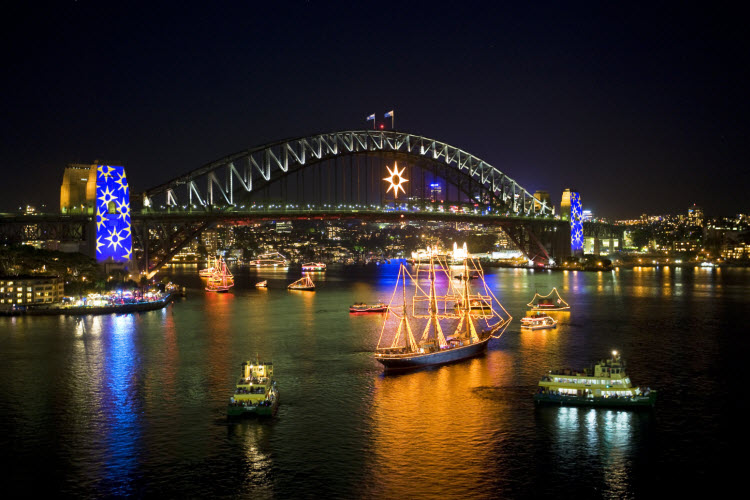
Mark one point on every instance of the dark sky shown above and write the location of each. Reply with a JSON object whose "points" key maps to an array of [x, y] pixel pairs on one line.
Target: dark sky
{"points": [[641, 107]]}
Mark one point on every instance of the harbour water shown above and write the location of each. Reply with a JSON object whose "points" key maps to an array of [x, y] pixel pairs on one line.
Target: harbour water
{"points": [[134, 404]]}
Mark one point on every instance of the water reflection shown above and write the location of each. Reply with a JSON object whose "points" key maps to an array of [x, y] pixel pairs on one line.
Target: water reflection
{"points": [[122, 431], [432, 429], [595, 444]]}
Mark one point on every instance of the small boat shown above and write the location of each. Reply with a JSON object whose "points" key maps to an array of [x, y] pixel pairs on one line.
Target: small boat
{"points": [[473, 276], [538, 321], [550, 302], [314, 266], [208, 271], [221, 280], [604, 384], [255, 393], [361, 307], [304, 284], [262, 284]]}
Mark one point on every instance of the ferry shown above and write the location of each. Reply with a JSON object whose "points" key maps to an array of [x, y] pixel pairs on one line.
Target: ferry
{"points": [[271, 259], [361, 307], [604, 384], [538, 321], [256, 393], [304, 284], [314, 266]]}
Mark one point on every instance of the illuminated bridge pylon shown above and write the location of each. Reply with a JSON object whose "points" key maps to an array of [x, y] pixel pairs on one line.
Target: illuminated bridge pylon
{"points": [[314, 170]]}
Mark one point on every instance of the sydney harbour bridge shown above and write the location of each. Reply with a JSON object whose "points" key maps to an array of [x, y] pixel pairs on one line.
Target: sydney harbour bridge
{"points": [[369, 175]]}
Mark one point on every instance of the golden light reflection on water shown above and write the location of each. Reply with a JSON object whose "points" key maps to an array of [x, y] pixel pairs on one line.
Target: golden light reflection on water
{"points": [[429, 424]]}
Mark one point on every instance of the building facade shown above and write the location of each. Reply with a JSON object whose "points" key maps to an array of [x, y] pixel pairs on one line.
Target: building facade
{"points": [[26, 290]]}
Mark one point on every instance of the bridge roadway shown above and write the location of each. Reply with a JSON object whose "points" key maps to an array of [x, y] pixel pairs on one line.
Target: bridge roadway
{"points": [[159, 235]]}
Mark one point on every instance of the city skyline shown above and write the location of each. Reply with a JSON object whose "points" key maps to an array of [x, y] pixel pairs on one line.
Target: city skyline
{"points": [[639, 110]]}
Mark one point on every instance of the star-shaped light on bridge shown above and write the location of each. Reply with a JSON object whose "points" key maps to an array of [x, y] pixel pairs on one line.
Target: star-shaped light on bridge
{"points": [[395, 179]]}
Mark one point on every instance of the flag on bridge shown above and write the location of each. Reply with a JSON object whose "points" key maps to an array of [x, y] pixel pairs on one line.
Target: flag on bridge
{"points": [[392, 116], [371, 117]]}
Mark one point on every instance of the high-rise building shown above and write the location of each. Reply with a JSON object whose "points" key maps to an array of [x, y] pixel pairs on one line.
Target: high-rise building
{"points": [[436, 192], [695, 215], [539, 198]]}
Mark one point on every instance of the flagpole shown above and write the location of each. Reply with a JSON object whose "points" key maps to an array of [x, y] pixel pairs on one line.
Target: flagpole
{"points": [[393, 120]]}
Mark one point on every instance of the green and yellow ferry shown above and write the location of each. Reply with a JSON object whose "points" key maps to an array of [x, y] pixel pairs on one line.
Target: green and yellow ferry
{"points": [[256, 393], [604, 384]]}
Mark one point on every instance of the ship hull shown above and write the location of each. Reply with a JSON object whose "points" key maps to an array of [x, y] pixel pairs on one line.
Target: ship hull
{"points": [[397, 363], [560, 400], [236, 411]]}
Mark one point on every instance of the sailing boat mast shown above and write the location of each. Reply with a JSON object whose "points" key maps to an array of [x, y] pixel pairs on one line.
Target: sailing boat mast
{"points": [[471, 332]]}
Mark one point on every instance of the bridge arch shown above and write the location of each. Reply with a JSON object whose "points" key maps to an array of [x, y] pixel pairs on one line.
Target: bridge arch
{"points": [[222, 184]]}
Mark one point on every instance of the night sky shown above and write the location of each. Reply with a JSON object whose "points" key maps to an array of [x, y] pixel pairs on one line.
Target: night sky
{"points": [[641, 107]]}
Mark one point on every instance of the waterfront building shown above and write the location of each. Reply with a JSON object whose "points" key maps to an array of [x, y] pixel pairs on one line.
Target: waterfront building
{"points": [[27, 289]]}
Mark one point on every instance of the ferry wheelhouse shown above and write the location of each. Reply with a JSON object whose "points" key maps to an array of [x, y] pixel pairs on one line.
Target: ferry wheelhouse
{"points": [[606, 383]]}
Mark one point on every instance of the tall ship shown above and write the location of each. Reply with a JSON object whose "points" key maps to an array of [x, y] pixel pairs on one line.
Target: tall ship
{"points": [[455, 324], [606, 383], [221, 280], [270, 259], [255, 393]]}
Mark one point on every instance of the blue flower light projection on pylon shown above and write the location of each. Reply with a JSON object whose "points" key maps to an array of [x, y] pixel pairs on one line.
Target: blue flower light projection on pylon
{"points": [[576, 223], [113, 238]]}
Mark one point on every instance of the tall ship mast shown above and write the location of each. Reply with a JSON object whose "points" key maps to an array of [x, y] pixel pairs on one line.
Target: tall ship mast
{"points": [[455, 324]]}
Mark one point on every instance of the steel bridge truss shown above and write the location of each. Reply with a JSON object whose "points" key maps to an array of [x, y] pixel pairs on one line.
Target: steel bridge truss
{"points": [[219, 185]]}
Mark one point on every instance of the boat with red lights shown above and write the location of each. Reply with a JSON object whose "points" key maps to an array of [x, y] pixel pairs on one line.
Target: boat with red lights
{"points": [[448, 333], [550, 302], [221, 280], [361, 307], [313, 266]]}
